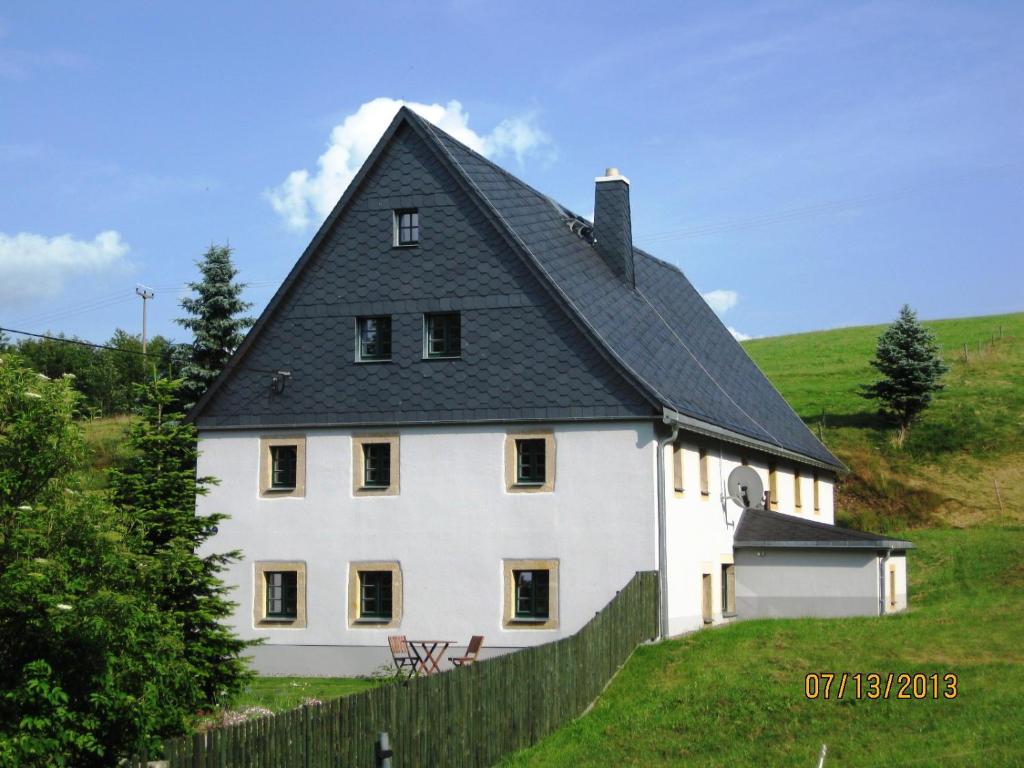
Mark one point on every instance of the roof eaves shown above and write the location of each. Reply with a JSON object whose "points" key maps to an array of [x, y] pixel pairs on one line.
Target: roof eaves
{"points": [[698, 426], [872, 544]]}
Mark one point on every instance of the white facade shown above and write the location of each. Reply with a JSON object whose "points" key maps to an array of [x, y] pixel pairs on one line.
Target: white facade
{"points": [[700, 527], [453, 524], [450, 528]]}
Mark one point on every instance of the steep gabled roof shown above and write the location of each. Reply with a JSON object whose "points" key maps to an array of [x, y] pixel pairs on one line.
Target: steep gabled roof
{"points": [[761, 529], [663, 332], [661, 335]]}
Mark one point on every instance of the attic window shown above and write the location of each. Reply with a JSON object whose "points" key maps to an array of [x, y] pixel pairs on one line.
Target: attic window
{"points": [[407, 227], [442, 335], [374, 339]]}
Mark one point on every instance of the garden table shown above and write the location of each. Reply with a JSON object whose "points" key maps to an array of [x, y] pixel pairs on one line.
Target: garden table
{"points": [[430, 653]]}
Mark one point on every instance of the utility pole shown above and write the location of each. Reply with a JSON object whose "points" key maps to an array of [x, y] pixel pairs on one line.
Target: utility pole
{"points": [[145, 294]]}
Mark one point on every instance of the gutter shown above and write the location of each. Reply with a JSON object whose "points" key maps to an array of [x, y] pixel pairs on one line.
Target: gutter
{"points": [[662, 527], [707, 429]]}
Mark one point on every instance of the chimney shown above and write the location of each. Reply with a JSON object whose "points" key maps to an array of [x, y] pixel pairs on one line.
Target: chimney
{"points": [[613, 232]]}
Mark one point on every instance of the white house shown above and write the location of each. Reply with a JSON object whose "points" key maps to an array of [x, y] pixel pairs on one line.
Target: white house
{"points": [[469, 411]]}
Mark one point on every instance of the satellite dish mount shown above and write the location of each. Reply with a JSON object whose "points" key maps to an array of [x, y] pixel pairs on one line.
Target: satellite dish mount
{"points": [[745, 488]]}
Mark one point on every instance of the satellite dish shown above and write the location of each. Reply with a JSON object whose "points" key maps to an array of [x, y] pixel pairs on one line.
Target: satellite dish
{"points": [[744, 486]]}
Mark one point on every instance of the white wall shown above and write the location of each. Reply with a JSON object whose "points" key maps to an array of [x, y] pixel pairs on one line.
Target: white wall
{"points": [[798, 582], [450, 527], [700, 528]]}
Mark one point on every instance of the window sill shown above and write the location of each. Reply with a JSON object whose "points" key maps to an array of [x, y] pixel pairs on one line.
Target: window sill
{"points": [[278, 619], [730, 615], [372, 622], [430, 358], [529, 485], [373, 360], [374, 488], [404, 246], [528, 621]]}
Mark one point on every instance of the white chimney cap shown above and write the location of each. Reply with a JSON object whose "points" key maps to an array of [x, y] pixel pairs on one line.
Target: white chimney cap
{"points": [[612, 174]]}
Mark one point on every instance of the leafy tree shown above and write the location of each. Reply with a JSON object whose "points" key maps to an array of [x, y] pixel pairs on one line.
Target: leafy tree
{"points": [[908, 358], [216, 321], [88, 668], [158, 489]]}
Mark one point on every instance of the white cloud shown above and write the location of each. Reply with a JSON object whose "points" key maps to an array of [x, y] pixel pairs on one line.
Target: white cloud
{"points": [[34, 266], [305, 198], [721, 300], [738, 335]]}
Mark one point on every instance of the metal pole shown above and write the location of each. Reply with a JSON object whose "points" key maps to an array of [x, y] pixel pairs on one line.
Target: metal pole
{"points": [[821, 756], [384, 753], [146, 294]]}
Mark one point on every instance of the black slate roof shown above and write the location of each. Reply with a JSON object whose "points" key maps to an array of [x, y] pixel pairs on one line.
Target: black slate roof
{"points": [[759, 529], [663, 332], [660, 336]]}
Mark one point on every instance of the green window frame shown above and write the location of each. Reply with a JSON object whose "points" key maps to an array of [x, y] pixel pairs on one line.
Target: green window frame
{"points": [[374, 338], [282, 594], [376, 465], [283, 464], [375, 595], [443, 335], [407, 226], [531, 461], [532, 589]]}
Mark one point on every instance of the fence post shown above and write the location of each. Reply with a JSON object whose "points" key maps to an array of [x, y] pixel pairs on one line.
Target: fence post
{"points": [[383, 751]]}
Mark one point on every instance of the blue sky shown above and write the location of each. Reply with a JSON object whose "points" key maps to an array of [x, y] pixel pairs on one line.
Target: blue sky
{"points": [[808, 165]]}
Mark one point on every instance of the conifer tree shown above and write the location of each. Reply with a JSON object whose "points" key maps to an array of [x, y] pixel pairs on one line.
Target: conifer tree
{"points": [[908, 358], [157, 490], [216, 321]]}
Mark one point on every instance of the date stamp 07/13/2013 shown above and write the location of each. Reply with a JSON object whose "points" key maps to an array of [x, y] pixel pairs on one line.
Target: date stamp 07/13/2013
{"points": [[886, 685]]}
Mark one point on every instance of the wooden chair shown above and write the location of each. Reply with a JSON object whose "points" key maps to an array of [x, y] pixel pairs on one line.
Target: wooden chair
{"points": [[403, 655], [472, 651]]}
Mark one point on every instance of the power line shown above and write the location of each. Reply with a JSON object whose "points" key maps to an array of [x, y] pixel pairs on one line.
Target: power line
{"points": [[80, 343]]}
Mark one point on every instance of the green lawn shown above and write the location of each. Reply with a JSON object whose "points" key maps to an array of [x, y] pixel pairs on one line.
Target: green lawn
{"points": [[281, 693], [735, 695], [962, 464]]}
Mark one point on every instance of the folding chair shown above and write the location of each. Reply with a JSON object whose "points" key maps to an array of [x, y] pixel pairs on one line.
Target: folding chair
{"points": [[472, 651], [403, 655]]}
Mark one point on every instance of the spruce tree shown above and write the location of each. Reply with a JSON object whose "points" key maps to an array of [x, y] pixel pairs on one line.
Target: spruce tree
{"points": [[908, 358], [157, 489], [216, 321]]}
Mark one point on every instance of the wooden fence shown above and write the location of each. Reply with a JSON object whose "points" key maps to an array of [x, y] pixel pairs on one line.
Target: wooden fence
{"points": [[464, 717]]}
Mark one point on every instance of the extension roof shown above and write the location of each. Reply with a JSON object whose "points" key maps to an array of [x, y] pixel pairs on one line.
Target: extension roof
{"points": [[662, 335], [761, 529]]}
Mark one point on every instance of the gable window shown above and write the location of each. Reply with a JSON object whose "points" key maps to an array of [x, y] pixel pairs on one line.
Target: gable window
{"points": [[530, 461], [728, 589], [375, 465], [407, 227], [279, 594], [798, 497], [374, 339], [282, 587], [442, 335], [282, 466], [375, 595], [704, 487], [283, 463]]}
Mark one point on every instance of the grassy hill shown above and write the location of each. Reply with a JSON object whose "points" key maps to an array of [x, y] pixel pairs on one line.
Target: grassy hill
{"points": [[735, 695], [962, 464]]}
